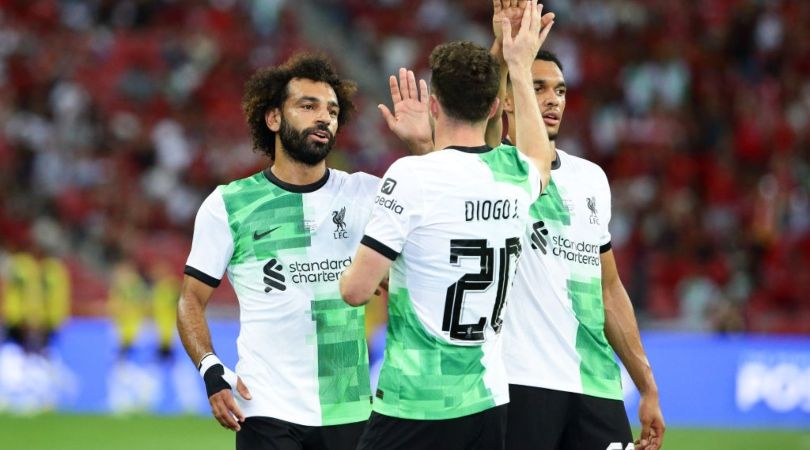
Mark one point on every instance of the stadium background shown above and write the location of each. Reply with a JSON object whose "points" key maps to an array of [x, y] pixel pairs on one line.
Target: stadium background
{"points": [[118, 117]]}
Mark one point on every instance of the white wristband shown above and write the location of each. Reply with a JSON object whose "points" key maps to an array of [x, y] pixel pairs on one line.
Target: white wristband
{"points": [[209, 360], [212, 360]]}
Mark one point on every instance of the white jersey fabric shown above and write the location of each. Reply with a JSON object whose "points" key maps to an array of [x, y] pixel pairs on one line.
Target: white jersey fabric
{"points": [[302, 350], [554, 329], [452, 221]]}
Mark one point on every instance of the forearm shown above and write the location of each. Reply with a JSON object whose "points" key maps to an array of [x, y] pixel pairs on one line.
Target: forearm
{"points": [[193, 328], [621, 330], [532, 137], [495, 124]]}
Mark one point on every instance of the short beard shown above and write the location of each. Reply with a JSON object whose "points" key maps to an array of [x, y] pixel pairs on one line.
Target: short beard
{"points": [[300, 148]]}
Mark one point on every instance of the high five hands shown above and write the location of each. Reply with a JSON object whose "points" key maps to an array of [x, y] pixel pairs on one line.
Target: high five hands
{"points": [[521, 47]]}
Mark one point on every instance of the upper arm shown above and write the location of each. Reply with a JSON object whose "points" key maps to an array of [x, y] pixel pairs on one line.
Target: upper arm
{"points": [[396, 211], [610, 273], [212, 245], [398, 206]]}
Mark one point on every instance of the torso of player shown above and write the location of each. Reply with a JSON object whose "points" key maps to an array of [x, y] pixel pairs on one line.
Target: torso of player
{"points": [[449, 285], [302, 350], [554, 329]]}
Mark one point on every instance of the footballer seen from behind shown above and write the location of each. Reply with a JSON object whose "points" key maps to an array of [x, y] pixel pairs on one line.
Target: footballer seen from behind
{"points": [[283, 236], [448, 225]]}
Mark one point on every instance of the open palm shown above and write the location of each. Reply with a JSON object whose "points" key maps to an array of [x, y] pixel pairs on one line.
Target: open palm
{"points": [[410, 120]]}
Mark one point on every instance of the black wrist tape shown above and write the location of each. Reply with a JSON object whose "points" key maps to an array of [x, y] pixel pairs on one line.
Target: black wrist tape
{"points": [[214, 380]]}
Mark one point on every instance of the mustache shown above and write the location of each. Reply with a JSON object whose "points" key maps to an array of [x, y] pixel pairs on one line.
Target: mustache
{"points": [[323, 128]]}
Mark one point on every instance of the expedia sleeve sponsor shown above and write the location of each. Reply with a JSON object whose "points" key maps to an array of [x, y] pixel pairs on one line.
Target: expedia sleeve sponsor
{"points": [[397, 207], [389, 203]]}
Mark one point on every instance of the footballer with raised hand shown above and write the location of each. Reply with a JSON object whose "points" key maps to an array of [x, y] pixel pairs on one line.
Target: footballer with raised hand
{"points": [[448, 225], [569, 311]]}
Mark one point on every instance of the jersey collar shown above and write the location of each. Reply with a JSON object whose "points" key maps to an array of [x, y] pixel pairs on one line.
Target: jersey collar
{"points": [[297, 188], [479, 149]]}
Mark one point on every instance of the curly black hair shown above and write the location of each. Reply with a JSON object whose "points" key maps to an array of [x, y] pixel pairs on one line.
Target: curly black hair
{"points": [[465, 79], [267, 89]]}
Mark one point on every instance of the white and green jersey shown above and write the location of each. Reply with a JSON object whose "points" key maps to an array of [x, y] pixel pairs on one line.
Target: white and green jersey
{"points": [[452, 222], [554, 331], [302, 350]]}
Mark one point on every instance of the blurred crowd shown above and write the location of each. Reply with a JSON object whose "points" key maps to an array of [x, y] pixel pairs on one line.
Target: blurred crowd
{"points": [[119, 117]]}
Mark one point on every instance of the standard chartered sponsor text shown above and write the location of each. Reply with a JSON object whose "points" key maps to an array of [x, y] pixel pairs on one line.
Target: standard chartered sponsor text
{"points": [[320, 271], [576, 251]]}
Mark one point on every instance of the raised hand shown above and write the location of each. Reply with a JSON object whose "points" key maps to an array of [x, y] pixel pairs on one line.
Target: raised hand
{"points": [[506, 10], [410, 120], [520, 50]]}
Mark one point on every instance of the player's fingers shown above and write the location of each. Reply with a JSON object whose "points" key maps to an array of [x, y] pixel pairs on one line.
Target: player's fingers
{"points": [[507, 34], [242, 389], [544, 32], [547, 18], [496, 6], [390, 120], [658, 430], [233, 414], [526, 20], [513, 3], [221, 412], [403, 83], [396, 96], [412, 91], [537, 13], [423, 91], [644, 438]]}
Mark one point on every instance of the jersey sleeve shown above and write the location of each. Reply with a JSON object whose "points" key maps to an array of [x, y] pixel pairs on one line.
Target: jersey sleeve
{"points": [[604, 215], [398, 208], [368, 184], [212, 245]]}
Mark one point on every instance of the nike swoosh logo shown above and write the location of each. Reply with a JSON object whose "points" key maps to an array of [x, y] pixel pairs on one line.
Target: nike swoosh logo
{"points": [[257, 235]]}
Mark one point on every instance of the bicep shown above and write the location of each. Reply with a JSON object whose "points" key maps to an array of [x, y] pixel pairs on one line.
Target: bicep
{"points": [[611, 283]]}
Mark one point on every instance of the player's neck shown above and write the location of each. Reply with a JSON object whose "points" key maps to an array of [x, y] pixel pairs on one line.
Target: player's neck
{"points": [[512, 132], [294, 172], [454, 134]]}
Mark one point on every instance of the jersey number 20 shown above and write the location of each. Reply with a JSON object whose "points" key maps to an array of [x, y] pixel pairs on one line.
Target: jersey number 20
{"points": [[478, 282]]}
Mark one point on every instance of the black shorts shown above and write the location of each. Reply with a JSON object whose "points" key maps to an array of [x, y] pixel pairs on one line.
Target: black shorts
{"points": [[480, 431], [543, 419], [267, 433]]}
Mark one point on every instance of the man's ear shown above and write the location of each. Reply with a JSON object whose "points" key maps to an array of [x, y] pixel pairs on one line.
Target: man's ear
{"points": [[273, 119], [494, 108], [508, 105], [433, 106]]}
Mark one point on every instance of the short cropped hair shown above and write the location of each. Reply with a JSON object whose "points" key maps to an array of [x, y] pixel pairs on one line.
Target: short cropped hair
{"points": [[268, 89], [465, 79]]}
